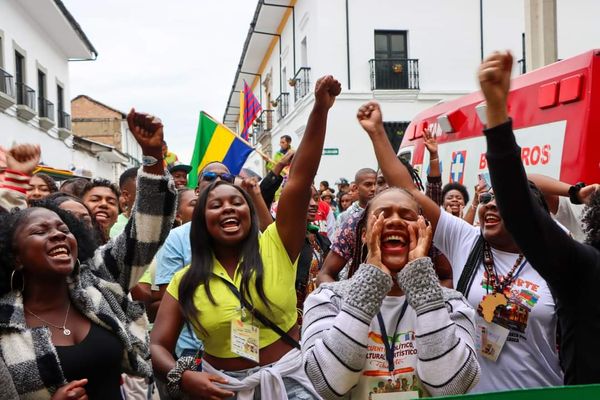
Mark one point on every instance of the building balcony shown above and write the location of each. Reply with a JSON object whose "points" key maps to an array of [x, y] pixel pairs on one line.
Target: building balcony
{"points": [[46, 113], [64, 124], [263, 125], [394, 74], [301, 83], [25, 101], [283, 105], [7, 90]]}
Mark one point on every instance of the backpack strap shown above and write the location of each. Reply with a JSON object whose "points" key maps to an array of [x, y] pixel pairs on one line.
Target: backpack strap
{"points": [[468, 274]]}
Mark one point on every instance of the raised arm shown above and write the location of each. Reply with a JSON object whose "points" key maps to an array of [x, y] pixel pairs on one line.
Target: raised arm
{"points": [[272, 181], [293, 204], [556, 256], [265, 218], [127, 257], [369, 117], [21, 161]]}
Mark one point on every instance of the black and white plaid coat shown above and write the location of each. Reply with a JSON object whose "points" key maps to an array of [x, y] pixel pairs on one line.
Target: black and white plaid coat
{"points": [[99, 291]]}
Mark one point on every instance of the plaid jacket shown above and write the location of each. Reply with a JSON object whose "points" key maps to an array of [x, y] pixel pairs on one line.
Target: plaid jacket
{"points": [[99, 291]]}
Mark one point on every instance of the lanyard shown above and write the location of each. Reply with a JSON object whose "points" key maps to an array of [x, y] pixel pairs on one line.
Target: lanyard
{"points": [[387, 344], [258, 315], [507, 283]]}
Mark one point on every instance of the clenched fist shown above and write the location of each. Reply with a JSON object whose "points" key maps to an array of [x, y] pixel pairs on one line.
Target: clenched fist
{"points": [[327, 89]]}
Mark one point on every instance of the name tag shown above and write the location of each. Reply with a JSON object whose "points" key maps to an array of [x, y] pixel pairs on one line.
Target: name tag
{"points": [[491, 339], [245, 340]]}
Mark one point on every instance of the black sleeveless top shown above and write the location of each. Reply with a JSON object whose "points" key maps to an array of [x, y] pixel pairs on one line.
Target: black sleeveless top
{"points": [[98, 359]]}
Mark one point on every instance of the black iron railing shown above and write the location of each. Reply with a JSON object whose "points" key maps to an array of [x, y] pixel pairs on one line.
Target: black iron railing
{"points": [[522, 67], [301, 83], [6, 83], [25, 95], [64, 120], [263, 124], [283, 105], [394, 73], [45, 108]]}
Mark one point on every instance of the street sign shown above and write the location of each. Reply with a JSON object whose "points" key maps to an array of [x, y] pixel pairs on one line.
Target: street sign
{"points": [[331, 151]]}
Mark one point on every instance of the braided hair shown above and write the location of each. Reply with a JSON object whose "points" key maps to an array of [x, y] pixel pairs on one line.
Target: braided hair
{"points": [[414, 174]]}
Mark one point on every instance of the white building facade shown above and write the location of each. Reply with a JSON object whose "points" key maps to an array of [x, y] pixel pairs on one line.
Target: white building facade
{"points": [[408, 55], [38, 39]]}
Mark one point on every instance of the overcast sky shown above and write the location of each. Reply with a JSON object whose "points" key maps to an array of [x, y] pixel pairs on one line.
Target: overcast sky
{"points": [[171, 59]]}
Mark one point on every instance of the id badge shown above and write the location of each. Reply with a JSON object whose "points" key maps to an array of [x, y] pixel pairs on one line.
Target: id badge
{"points": [[395, 396], [491, 339], [245, 340]]}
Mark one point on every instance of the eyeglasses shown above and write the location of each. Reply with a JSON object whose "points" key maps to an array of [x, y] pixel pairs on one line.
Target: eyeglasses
{"points": [[486, 197], [212, 176]]}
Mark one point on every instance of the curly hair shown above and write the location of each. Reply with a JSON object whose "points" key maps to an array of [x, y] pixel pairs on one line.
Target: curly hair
{"points": [[10, 222], [455, 186], [100, 182], [591, 220]]}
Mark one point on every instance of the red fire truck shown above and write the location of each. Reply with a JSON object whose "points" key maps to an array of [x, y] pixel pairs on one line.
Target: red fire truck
{"points": [[556, 118]]}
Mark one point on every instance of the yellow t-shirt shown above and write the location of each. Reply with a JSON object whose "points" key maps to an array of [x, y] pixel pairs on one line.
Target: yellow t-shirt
{"points": [[279, 285]]}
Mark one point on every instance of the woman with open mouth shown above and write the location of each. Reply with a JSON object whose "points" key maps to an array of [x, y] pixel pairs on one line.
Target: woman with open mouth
{"points": [[238, 294], [67, 328], [387, 328], [516, 311]]}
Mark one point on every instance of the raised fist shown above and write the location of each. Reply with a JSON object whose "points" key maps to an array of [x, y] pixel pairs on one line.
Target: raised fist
{"points": [[147, 130], [369, 117], [23, 158], [494, 78], [326, 90]]}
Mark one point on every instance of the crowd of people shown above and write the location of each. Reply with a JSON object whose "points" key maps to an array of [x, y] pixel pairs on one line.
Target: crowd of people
{"points": [[279, 289]]}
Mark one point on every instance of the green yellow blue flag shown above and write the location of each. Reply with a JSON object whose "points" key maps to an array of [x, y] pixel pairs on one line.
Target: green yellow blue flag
{"points": [[216, 142]]}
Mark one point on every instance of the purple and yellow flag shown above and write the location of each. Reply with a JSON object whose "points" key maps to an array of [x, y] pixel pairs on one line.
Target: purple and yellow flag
{"points": [[249, 109]]}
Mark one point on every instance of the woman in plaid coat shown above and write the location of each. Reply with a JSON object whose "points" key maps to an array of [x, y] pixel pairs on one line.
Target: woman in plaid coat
{"points": [[67, 327]]}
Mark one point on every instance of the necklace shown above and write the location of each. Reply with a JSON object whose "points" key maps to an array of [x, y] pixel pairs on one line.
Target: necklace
{"points": [[64, 328], [491, 301]]}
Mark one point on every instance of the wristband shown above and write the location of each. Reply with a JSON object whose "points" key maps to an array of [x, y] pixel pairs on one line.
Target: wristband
{"points": [[175, 375], [434, 159], [574, 191], [148, 161]]}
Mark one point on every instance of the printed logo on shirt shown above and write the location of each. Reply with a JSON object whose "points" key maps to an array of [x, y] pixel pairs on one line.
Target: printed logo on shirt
{"points": [[376, 379], [522, 297]]}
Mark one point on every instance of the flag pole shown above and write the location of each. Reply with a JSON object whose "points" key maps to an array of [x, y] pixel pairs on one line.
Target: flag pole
{"points": [[260, 153]]}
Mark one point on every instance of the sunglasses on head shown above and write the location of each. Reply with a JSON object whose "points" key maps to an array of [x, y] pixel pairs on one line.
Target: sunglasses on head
{"points": [[212, 176], [486, 197]]}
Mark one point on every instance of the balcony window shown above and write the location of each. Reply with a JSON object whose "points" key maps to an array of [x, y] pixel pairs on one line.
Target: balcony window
{"points": [[64, 121], [282, 104], [25, 95], [391, 68], [7, 83], [263, 124], [301, 83]]}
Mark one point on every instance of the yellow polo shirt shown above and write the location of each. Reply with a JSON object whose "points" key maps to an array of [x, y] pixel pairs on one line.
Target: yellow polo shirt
{"points": [[279, 286]]}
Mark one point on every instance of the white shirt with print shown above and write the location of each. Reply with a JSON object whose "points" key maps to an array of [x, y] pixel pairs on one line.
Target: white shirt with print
{"points": [[529, 357]]}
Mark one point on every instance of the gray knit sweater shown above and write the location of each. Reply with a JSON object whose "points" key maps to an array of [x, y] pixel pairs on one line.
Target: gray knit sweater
{"points": [[338, 317]]}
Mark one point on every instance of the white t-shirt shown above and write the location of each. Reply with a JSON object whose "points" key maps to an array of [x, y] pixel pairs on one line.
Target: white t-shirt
{"points": [[376, 382], [529, 357], [569, 215]]}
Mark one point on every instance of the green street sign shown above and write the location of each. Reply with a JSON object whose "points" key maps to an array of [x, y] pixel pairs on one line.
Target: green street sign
{"points": [[331, 151]]}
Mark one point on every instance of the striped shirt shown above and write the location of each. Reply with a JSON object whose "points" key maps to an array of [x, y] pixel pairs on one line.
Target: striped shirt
{"points": [[433, 346]]}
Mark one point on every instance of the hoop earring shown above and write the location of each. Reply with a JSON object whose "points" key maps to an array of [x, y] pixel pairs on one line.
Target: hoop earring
{"points": [[77, 267], [12, 278]]}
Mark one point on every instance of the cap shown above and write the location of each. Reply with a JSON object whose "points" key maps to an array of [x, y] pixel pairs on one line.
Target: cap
{"points": [[342, 181], [179, 166]]}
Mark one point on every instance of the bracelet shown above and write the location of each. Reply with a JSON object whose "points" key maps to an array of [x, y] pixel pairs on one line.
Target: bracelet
{"points": [[174, 376], [434, 159], [574, 192], [148, 161]]}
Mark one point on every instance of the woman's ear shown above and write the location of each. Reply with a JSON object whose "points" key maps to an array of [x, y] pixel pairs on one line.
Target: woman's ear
{"points": [[363, 236]]}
